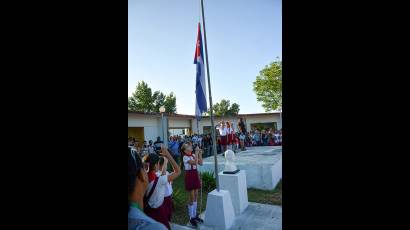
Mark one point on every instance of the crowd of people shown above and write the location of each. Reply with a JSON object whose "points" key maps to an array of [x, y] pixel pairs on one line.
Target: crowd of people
{"points": [[227, 138], [150, 184]]}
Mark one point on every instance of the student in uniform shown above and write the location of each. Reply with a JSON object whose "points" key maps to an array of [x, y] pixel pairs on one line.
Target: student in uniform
{"points": [[223, 135], [137, 185], [192, 182], [154, 205], [168, 202]]}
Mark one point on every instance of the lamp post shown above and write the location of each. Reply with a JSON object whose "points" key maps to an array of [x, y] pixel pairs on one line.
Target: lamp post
{"points": [[162, 111], [280, 108]]}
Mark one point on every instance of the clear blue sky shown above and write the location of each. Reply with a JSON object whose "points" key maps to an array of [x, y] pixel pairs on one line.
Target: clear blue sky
{"points": [[243, 36]]}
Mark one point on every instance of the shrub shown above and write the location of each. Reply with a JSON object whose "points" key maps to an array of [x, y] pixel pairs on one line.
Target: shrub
{"points": [[208, 181]]}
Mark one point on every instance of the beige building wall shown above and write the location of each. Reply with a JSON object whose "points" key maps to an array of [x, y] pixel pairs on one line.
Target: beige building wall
{"points": [[153, 128], [249, 120]]}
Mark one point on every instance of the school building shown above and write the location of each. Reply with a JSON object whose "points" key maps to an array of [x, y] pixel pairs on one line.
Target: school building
{"points": [[148, 126]]}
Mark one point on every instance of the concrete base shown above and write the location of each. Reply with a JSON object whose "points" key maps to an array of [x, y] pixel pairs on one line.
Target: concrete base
{"points": [[219, 212], [276, 173], [236, 185], [263, 166]]}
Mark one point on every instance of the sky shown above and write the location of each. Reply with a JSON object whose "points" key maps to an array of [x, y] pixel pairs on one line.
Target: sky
{"points": [[243, 36]]}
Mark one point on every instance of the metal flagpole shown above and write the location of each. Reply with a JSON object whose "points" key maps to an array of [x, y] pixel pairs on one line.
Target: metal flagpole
{"points": [[200, 174], [210, 100]]}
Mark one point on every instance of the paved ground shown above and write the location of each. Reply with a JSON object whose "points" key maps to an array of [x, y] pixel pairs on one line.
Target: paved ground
{"points": [[255, 217], [263, 166], [252, 156]]}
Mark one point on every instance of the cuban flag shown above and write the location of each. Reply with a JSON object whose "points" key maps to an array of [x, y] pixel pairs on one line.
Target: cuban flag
{"points": [[200, 77]]}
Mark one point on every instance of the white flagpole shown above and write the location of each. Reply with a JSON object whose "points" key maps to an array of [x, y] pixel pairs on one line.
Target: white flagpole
{"points": [[210, 100]]}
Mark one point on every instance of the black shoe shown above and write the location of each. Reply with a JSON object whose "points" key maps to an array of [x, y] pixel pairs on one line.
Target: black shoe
{"points": [[193, 223], [199, 220]]}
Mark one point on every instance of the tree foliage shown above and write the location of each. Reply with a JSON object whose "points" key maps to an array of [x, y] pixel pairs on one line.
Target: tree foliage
{"points": [[170, 103], [143, 100], [268, 86], [224, 108]]}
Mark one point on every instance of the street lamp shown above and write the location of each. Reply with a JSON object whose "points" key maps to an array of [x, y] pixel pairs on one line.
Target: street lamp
{"points": [[280, 108], [162, 111]]}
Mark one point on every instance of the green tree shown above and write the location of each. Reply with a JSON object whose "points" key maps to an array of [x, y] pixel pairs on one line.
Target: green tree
{"points": [[268, 86], [224, 108], [170, 103], [159, 100], [141, 100], [234, 110]]}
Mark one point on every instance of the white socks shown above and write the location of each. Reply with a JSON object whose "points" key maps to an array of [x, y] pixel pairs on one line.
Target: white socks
{"points": [[192, 210]]}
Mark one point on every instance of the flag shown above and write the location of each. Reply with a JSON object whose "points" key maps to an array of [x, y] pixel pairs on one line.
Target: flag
{"points": [[200, 91]]}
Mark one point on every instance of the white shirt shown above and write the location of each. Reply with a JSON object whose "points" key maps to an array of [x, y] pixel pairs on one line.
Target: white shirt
{"points": [[229, 130], [222, 131], [186, 164], [151, 149], [157, 197], [200, 141], [168, 188]]}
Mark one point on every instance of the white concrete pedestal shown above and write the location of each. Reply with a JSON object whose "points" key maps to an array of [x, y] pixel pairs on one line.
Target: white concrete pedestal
{"points": [[219, 211], [236, 185]]}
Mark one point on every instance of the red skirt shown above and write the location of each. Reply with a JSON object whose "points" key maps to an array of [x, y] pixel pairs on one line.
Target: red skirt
{"points": [[168, 206], [229, 139], [224, 140], [192, 180], [159, 214]]}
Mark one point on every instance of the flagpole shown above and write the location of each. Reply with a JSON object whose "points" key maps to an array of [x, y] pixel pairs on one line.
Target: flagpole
{"points": [[210, 100]]}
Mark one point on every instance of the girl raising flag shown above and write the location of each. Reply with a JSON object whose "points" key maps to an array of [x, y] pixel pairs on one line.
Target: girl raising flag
{"points": [[192, 182]]}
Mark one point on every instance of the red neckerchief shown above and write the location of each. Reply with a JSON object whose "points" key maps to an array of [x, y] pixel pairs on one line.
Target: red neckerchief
{"points": [[151, 176]]}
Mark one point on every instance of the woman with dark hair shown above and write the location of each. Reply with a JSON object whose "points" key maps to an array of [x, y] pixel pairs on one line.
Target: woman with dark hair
{"points": [[155, 194], [229, 135], [223, 132], [137, 185]]}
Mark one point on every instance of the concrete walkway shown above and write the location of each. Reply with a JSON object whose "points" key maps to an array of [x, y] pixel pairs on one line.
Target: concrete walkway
{"points": [[255, 217]]}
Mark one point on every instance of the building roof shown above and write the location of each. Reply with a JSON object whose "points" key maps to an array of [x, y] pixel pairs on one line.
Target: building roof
{"points": [[249, 114], [192, 116], [159, 114]]}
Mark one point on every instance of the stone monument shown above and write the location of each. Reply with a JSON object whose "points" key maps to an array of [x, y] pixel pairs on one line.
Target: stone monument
{"points": [[230, 166], [234, 181]]}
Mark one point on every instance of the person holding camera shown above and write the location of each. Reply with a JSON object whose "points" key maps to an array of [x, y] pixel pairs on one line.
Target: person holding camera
{"points": [[154, 205], [157, 145], [137, 185]]}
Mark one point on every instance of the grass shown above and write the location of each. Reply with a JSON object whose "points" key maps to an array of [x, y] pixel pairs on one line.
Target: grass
{"points": [[273, 197], [180, 215], [180, 196]]}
